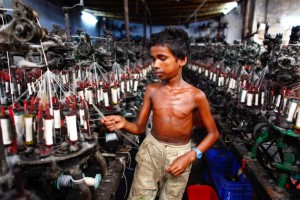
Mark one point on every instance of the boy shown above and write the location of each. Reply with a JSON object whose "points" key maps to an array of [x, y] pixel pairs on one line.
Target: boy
{"points": [[165, 156]]}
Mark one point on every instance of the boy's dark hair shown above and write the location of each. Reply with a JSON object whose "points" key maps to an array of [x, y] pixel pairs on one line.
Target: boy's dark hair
{"points": [[175, 39]]}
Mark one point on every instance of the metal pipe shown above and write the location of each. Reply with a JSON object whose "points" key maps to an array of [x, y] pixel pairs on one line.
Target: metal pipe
{"points": [[126, 15], [99, 157], [145, 25], [266, 10], [246, 19]]}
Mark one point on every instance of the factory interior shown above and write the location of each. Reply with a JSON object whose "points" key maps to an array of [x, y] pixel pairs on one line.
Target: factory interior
{"points": [[66, 66]]}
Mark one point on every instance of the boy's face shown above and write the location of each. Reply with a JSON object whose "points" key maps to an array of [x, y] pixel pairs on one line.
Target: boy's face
{"points": [[166, 65]]}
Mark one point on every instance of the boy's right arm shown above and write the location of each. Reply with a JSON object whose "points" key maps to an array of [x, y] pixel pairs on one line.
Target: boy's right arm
{"points": [[114, 122]]}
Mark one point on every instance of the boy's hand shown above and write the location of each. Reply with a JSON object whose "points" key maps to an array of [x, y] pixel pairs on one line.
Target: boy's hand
{"points": [[113, 122], [180, 164]]}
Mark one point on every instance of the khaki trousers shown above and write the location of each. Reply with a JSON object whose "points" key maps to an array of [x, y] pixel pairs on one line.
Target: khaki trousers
{"points": [[150, 178]]}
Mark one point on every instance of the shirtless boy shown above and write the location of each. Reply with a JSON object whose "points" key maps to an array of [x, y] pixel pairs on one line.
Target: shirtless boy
{"points": [[165, 156]]}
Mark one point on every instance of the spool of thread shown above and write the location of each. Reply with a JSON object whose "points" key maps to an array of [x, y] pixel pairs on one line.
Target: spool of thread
{"points": [[256, 99], [90, 181], [211, 75], [297, 123], [243, 96], [106, 100], [72, 127], [57, 123], [6, 86], [135, 85], [98, 95], [81, 94], [28, 118], [221, 81], [90, 96], [119, 92], [262, 98], [82, 120], [199, 70], [131, 83], [249, 99], [29, 88], [292, 110], [18, 118], [214, 77], [233, 84], [19, 88], [81, 117], [64, 80], [123, 87], [114, 95], [86, 93], [127, 86], [6, 131], [110, 137], [48, 130], [33, 87], [278, 99]]}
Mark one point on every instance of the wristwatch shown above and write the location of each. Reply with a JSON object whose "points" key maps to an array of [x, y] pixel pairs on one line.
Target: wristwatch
{"points": [[198, 152]]}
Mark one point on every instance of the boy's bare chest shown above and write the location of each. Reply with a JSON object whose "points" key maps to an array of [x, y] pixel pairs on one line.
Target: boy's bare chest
{"points": [[178, 103]]}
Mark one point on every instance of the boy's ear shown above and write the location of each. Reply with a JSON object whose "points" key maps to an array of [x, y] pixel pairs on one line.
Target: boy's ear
{"points": [[183, 61]]}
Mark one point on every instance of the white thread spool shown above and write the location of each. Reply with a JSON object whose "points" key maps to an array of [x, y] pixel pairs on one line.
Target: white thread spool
{"points": [[114, 95], [106, 100], [243, 96], [221, 81], [127, 86], [249, 99], [6, 86], [211, 75], [57, 123], [72, 127], [98, 95], [278, 99], [131, 83], [123, 87], [33, 87], [256, 99], [231, 83], [80, 94], [64, 80], [214, 77], [19, 88], [90, 96], [119, 92], [67, 77], [297, 123], [199, 70], [6, 131], [86, 93], [18, 118], [262, 98], [233, 86], [292, 109], [101, 94], [135, 85], [48, 130], [206, 73], [29, 88], [12, 88], [28, 118], [82, 120]]}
